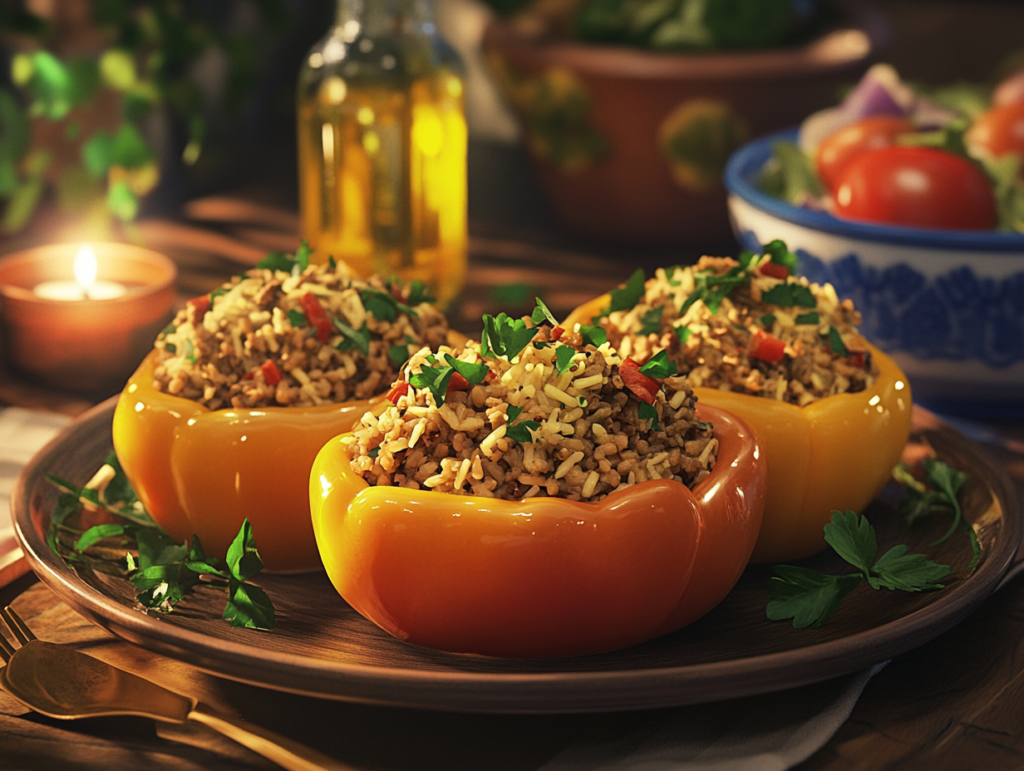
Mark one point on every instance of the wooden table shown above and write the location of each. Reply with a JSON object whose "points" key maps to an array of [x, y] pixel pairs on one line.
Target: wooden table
{"points": [[954, 703]]}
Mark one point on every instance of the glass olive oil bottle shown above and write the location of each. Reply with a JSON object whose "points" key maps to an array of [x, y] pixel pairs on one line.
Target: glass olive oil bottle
{"points": [[382, 146]]}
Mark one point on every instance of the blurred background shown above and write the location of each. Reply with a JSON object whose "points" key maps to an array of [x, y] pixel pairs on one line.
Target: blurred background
{"points": [[221, 128]]}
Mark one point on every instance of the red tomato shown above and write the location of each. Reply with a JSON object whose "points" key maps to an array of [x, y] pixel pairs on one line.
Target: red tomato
{"points": [[999, 131], [916, 186], [870, 133]]}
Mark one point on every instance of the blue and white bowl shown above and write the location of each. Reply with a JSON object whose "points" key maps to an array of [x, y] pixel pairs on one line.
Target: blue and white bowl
{"points": [[947, 305]]}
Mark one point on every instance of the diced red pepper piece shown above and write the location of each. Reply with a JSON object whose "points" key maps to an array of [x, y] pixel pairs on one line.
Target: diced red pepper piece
{"points": [[767, 348], [271, 373], [457, 383], [317, 317], [556, 332], [646, 388], [398, 390], [773, 270], [198, 306], [857, 359]]}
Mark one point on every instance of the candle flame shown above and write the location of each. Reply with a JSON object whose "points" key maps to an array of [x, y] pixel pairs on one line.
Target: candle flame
{"points": [[85, 268]]}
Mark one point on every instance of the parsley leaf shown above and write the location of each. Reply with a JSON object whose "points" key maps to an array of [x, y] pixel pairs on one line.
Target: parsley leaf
{"points": [[595, 336], [474, 372], [541, 314], [809, 318], [563, 358], [940, 494], [809, 597], [648, 412], [435, 380], [780, 254], [277, 261], [683, 333], [358, 339], [711, 288], [383, 306], [303, 254], [835, 342], [419, 293], [789, 296], [627, 296], [523, 432], [659, 366], [767, 320], [504, 336], [399, 355], [651, 321], [297, 318]]}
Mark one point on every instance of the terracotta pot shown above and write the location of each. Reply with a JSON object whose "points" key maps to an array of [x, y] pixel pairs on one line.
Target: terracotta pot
{"points": [[630, 145]]}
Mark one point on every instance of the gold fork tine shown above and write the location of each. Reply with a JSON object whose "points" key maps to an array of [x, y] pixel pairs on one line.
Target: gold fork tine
{"points": [[6, 651], [18, 627]]}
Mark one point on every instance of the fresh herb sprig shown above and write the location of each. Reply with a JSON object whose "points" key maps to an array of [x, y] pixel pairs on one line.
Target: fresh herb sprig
{"points": [[810, 597], [436, 377], [938, 493], [162, 571]]}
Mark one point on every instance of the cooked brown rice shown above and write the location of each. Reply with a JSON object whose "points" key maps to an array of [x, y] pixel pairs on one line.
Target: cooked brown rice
{"points": [[253, 344], [716, 349], [588, 436]]}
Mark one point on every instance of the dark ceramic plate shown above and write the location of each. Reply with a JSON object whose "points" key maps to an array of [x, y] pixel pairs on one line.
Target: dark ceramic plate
{"points": [[321, 647]]}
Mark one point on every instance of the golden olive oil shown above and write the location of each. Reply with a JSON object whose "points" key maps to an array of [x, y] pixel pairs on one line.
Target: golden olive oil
{"points": [[382, 149]]}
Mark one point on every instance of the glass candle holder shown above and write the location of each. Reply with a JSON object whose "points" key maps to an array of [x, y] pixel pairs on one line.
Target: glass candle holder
{"points": [[83, 335]]}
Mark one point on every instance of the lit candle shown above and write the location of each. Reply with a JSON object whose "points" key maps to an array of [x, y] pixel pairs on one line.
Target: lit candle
{"points": [[85, 286]]}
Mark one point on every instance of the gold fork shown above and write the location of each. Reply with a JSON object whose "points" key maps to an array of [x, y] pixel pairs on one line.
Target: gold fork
{"points": [[63, 683]]}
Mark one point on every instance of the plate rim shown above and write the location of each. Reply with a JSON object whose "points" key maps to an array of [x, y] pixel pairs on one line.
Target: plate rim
{"points": [[516, 692]]}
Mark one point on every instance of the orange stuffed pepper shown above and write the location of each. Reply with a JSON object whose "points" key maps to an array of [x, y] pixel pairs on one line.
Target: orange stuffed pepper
{"points": [[223, 419], [536, 508]]}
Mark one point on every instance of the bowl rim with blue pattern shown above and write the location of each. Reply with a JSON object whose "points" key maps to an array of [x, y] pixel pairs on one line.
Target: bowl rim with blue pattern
{"points": [[746, 162]]}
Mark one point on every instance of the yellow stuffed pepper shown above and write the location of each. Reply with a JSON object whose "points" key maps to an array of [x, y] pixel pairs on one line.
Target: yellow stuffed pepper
{"points": [[778, 352]]}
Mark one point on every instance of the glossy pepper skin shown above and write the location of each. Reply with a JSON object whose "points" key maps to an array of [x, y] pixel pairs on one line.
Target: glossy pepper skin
{"points": [[835, 453], [202, 472], [544, 576]]}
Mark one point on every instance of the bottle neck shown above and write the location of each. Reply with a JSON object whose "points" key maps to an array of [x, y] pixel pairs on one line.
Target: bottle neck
{"points": [[375, 18]]}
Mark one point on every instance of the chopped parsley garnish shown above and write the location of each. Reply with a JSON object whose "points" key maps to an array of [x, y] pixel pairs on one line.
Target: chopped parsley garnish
{"points": [[399, 355], [651, 321], [505, 336], [626, 297], [780, 254], [659, 366], [767, 320], [683, 333], [541, 314], [711, 288], [809, 318], [789, 296], [419, 293], [809, 597], [595, 336], [436, 377], [563, 358], [522, 432], [648, 412], [352, 339], [297, 318], [835, 342], [161, 570], [382, 305]]}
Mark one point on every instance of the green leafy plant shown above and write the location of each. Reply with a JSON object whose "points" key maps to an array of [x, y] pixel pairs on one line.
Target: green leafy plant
{"points": [[162, 571], [77, 123]]}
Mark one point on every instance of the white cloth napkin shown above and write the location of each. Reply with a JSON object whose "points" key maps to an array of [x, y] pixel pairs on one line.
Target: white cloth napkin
{"points": [[22, 434]]}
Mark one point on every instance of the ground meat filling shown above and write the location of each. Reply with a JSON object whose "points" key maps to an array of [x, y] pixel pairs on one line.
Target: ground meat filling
{"points": [[294, 338], [752, 343], [588, 434]]}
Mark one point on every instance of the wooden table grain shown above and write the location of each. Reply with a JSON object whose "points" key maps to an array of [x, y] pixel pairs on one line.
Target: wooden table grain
{"points": [[956, 702]]}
